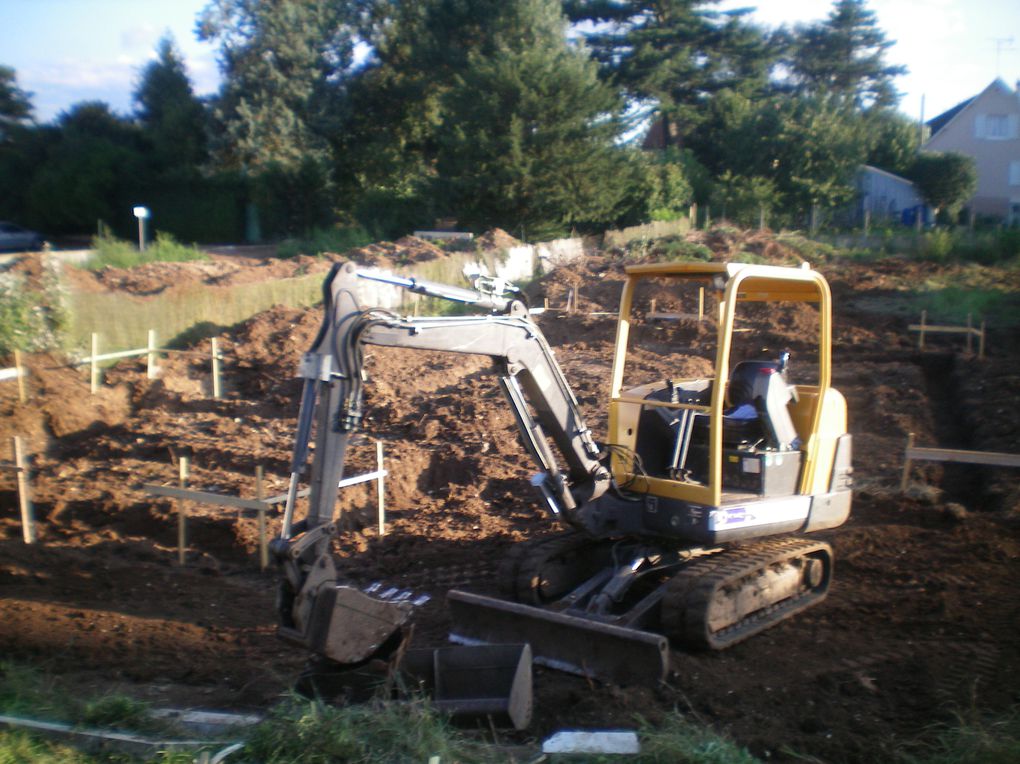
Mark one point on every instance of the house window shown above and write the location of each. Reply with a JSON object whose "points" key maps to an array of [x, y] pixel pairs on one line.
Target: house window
{"points": [[996, 126], [1014, 173]]}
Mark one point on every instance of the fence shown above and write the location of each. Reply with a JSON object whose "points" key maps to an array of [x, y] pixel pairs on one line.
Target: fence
{"points": [[20, 466], [986, 458], [151, 351], [260, 504], [924, 328]]}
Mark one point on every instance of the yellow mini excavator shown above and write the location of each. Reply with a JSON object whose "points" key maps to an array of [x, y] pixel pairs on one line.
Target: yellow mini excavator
{"points": [[686, 525]]}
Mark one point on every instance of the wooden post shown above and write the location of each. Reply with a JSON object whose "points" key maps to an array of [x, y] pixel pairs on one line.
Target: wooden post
{"points": [[906, 463], [701, 304], [24, 499], [182, 535], [545, 303], [260, 494], [379, 487], [215, 367], [920, 337], [94, 376], [22, 396], [150, 365], [981, 342], [652, 310], [573, 299]]}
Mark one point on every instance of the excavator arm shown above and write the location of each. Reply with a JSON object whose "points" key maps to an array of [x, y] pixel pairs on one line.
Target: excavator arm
{"points": [[340, 622]]}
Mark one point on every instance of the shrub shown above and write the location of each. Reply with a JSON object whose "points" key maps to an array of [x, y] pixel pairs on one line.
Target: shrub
{"points": [[319, 240], [109, 251]]}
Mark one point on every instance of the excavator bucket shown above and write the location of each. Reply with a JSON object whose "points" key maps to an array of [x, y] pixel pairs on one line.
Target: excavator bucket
{"points": [[483, 680], [565, 642]]}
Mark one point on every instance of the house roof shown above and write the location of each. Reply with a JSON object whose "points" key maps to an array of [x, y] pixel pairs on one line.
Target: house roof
{"points": [[943, 119], [946, 117]]}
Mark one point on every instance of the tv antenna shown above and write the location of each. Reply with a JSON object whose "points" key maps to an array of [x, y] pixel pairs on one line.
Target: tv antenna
{"points": [[1001, 44]]}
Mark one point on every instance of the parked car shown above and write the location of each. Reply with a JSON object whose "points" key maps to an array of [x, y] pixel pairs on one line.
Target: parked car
{"points": [[14, 238]]}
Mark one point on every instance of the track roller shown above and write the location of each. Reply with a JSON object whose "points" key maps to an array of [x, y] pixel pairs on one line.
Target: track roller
{"points": [[720, 600]]}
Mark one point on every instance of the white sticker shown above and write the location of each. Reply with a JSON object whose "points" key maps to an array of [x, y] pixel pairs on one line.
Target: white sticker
{"points": [[752, 466]]}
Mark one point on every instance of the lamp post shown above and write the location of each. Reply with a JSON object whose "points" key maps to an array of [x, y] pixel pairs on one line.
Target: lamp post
{"points": [[142, 213]]}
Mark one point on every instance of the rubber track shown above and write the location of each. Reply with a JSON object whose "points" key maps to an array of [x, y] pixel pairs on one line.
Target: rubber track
{"points": [[524, 563], [689, 594]]}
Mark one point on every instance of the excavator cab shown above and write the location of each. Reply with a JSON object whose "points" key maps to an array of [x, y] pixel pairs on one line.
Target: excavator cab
{"points": [[757, 455]]}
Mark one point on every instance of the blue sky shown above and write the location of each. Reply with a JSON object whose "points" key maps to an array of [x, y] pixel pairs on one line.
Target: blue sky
{"points": [[72, 50]]}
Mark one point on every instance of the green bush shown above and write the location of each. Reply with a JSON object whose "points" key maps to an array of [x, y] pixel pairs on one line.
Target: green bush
{"points": [[937, 245], [33, 320], [319, 240], [110, 251]]}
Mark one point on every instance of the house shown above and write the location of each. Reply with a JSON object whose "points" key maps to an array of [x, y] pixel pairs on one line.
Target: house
{"points": [[987, 128], [884, 198]]}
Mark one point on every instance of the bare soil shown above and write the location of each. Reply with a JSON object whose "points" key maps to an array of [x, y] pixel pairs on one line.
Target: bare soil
{"points": [[921, 620]]}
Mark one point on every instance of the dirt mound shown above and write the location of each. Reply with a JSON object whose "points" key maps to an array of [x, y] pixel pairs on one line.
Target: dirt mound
{"points": [[496, 239]]}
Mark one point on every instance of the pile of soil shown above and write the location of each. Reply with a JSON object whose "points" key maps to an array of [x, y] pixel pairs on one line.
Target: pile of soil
{"points": [[921, 619]]}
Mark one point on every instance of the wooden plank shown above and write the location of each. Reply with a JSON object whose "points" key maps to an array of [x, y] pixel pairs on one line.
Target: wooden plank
{"points": [[660, 316], [203, 497], [988, 458], [24, 499], [933, 329]]}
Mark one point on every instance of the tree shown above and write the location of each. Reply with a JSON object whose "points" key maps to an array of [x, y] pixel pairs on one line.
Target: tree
{"points": [[171, 116], [282, 62], [844, 56], [944, 180], [15, 104], [807, 148], [893, 140], [94, 164], [528, 130], [673, 55]]}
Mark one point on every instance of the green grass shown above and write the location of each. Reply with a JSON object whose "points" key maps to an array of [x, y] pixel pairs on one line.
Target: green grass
{"points": [[319, 240], [109, 251], [123, 322]]}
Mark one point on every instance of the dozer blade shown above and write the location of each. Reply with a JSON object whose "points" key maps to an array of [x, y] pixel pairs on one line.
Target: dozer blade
{"points": [[560, 641]]}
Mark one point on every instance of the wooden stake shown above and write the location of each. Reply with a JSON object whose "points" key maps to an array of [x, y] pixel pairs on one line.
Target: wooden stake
{"points": [[701, 304], [906, 463], [150, 365], [22, 396], [260, 494], [970, 331], [24, 499], [379, 487], [981, 342], [182, 519], [653, 306], [216, 367], [920, 338], [94, 377]]}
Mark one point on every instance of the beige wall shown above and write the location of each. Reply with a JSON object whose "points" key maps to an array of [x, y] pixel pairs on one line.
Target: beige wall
{"points": [[988, 129]]}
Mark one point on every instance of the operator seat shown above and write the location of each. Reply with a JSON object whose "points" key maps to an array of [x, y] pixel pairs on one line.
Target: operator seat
{"points": [[758, 395]]}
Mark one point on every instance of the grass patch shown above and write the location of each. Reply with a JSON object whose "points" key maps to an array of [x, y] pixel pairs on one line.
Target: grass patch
{"points": [[971, 739], [319, 240], [110, 251], [314, 733], [123, 322]]}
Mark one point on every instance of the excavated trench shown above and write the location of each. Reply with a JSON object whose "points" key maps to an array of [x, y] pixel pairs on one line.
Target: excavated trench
{"points": [[966, 484]]}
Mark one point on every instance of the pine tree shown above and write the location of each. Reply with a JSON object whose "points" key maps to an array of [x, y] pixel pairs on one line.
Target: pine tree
{"points": [[528, 130], [673, 55], [171, 116], [844, 56], [282, 62], [15, 104]]}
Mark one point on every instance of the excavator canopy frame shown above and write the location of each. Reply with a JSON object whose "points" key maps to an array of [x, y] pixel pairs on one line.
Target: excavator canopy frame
{"points": [[733, 283]]}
